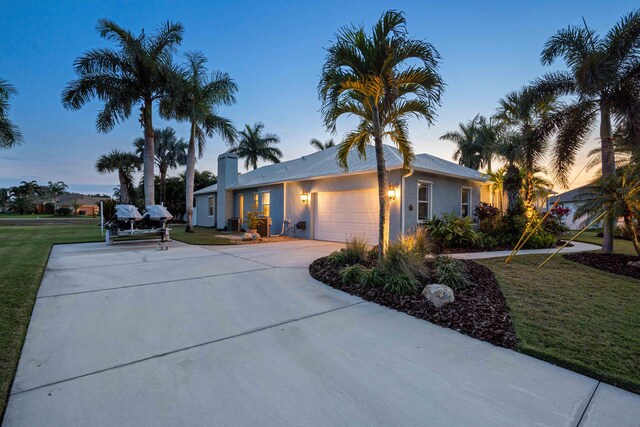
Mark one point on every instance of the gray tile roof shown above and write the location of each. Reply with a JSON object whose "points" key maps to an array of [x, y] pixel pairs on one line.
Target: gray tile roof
{"points": [[570, 196], [323, 163], [206, 190], [68, 199]]}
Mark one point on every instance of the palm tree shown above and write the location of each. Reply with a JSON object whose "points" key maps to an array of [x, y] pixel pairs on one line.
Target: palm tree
{"points": [[319, 145], [532, 117], [510, 150], [490, 134], [29, 189], [9, 133], [619, 195], [139, 72], [496, 179], [368, 76], [254, 146], [475, 143], [467, 150], [56, 188], [4, 198], [200, 96], [601, 71], [170, 153], [76, 205], [125, 164]]}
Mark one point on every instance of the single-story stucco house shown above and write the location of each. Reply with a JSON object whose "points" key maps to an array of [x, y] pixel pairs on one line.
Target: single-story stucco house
{"points": [[331, 203], [572, 199], [87, 205]]}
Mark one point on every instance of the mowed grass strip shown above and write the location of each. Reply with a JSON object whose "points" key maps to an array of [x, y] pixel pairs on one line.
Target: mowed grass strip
{"points": [[24, 252], [574, 316], [620, 246], [200, 236]]}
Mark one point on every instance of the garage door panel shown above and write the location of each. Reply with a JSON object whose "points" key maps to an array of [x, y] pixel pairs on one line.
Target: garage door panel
{"points": [[344, 214]]}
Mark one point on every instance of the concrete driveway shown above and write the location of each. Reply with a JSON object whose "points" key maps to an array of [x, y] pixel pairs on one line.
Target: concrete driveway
{"points": [[242, 335]]}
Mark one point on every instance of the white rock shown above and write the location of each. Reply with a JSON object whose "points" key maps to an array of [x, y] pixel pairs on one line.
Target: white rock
{"points": [[439, 295], [250, 236], [635, 264]]}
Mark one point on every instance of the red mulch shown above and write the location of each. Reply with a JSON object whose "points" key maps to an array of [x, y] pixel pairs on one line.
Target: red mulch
{"points": [[614, 263], [479, 310]]}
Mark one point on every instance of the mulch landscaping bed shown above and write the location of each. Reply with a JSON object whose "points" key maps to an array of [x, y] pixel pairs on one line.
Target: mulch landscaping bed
{"points": [[614, 263], [480, 310]]}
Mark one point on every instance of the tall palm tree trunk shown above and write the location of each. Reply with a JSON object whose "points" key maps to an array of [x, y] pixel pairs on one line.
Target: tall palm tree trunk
{"points": [[608, 169], [149, 161], [383, 226], [528, 194], [628, 222], [512, 183], [191, 170], [163, 184], [125, 198]]}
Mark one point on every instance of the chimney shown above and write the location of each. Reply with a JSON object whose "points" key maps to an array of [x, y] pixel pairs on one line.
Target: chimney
{"points": [[227, 176]]}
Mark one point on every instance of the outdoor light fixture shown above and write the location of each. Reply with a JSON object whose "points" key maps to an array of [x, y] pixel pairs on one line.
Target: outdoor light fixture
{"points": [[391, 192], [304, 197]]}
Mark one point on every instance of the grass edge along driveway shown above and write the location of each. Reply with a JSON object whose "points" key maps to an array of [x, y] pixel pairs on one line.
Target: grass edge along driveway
{"points": [[24, 251], [574, 316]]}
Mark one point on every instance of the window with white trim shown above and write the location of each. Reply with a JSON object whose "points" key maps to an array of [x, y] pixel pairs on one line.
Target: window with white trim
{"points": [[210, 205], [255, 201], [465, 202], [266, 203], [424, 201]]}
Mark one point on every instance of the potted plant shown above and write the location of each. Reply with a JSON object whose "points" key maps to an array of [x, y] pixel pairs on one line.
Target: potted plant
{"points": [[252, 221]]}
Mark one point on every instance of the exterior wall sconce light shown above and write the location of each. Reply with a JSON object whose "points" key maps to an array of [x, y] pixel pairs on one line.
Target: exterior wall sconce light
{"points": [[391, 192], [304, 197]]}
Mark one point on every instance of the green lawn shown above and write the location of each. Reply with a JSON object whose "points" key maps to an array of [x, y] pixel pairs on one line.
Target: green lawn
{"points": [[575, 316], [200, 236], [46, 216], [619, 246], [24, 251]]}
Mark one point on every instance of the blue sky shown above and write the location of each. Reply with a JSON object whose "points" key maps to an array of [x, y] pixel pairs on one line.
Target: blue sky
{"points": [[274, 51]]}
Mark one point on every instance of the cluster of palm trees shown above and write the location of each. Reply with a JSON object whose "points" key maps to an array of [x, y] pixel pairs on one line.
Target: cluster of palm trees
{"points": [[140, 74], [555, 115], [21, 198]]}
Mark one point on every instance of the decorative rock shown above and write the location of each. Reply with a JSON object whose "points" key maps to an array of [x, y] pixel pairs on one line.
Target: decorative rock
{"points": [[635, 264], [250, 236], [439, 295]]}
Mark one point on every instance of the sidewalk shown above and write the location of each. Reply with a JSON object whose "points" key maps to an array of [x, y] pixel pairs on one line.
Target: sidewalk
{"points": [[577, 247]]}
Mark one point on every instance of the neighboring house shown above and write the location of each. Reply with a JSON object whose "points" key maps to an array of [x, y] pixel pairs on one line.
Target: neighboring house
{"points": [[571, 199], [89, 205], [332, 204]]}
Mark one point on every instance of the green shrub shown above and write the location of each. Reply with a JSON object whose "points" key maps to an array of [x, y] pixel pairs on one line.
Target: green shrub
{"points": [[509, 229], [63, 211], [451, 231], [487, 241], [540, 239], [356, 250], [416, 242], [450, 272], [337, 258], [373, 277], [400, 284], [401, 259], [252, 218], [353, 274]]}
